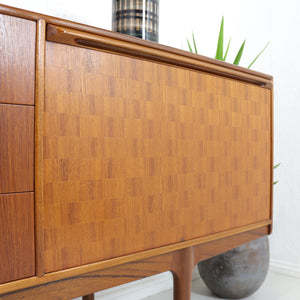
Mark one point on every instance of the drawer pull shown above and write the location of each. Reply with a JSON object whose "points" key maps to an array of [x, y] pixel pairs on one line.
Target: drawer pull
{"points": [[134, 47]]}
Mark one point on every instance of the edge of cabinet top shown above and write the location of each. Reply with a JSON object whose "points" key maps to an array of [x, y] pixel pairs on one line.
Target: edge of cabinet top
{"points": [[68, 32]]}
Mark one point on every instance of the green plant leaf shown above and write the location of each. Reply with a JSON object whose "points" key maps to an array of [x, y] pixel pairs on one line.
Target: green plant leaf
{"points": [[190, 48], [194, 42], [239, 54], [219, 52], [276, 166], [224, 59], [258, 55]]}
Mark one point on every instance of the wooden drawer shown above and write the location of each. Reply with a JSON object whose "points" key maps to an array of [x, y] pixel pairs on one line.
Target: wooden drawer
{"points": [[17, 63], [16, 236], [16, 148], [139, 155]]}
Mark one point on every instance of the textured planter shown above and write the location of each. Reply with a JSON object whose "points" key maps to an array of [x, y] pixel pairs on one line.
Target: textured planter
{"points": [[239, 272]]}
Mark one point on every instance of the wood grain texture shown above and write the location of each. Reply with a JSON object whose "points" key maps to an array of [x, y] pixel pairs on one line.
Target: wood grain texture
{"points": [[16, 148], [262, 228], [182, 270], [17, 63], [16, 236], [150, 163], [170, 56], [39, 131], [145, 152], [84, 284], [139, 44]]}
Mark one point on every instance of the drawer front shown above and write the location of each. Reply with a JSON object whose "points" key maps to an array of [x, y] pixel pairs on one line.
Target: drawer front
{"points": [[16, 236], [16, 148], [140, 155], [17, 63]]}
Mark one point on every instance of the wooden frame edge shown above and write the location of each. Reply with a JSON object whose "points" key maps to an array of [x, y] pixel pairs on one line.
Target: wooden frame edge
{"points": [[223, 68], [39, 112], [86, 283], [163, 54], [77, 271], [272, 158]]}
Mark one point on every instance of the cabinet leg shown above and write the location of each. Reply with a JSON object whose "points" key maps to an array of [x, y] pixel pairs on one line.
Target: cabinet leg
{"points": [[88, 297], [182, 270]]}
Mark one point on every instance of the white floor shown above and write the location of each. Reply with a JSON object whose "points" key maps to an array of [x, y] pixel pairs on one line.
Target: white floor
{"points": [[275, 287]]}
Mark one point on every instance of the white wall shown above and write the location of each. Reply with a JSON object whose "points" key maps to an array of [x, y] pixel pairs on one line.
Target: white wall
{"points": [[259, 21], [204, 18], [285, 241]]}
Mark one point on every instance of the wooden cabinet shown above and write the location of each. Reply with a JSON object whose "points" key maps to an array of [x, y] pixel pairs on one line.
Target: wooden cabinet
{"points": [[136, 158]]}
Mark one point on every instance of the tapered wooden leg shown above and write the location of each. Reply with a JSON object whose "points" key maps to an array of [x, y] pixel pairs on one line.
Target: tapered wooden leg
{"points": [[88, 297], [182, 270]]}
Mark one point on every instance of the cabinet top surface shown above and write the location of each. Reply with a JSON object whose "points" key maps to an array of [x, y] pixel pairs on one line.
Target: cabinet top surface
{"points": [[120, 43]]}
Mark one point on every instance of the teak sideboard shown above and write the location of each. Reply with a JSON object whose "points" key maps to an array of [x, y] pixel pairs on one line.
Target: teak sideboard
{"points": [[122, 158]]}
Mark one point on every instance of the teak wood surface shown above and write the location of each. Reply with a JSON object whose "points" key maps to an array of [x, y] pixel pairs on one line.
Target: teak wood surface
{"points": [[138, 158], [181, 263], [139, 151], [16, 148], [17, 236], [17, 52]]}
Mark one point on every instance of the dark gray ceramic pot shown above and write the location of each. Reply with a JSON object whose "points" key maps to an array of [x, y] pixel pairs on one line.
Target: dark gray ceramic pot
{"points": [[239, 272]]}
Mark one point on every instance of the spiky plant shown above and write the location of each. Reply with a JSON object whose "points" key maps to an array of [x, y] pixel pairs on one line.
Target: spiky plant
{"points": [[220, 46]]}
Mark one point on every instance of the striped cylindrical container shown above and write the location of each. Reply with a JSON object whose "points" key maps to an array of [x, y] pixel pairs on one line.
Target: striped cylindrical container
{"points": [[139, 18]]}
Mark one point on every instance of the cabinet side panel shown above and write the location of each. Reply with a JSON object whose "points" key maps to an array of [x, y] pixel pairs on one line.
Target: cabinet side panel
{"points": [[17, 63], [16, 148], [16, 236], [139, 155]]}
